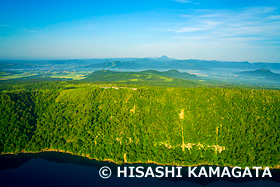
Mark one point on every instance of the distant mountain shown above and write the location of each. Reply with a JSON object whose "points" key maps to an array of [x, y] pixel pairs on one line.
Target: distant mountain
{"points": [[116, 65], [107, 75], [173, 73], [144, 78], [161, 63], [261, 73], [163, 58]]}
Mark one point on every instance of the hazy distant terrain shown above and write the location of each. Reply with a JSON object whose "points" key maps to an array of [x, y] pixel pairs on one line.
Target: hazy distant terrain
{"points": [[240, 73], [131, 63], [261, 74]]}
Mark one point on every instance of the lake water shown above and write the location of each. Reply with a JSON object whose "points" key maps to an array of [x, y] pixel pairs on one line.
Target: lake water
{"points": [[60, 169]]}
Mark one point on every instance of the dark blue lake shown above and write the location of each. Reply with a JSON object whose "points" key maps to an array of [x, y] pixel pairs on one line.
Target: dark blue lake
{"points": [[60, 169]]}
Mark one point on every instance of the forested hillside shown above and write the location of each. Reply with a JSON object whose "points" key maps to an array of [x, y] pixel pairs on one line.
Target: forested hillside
{"points": [[148, 77], [182, 126]]}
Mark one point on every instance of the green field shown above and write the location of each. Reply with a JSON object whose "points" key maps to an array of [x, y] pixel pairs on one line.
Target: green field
{"points": [[7, 76], [71, 75]]}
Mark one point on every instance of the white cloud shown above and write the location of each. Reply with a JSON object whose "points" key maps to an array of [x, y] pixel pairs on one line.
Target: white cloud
{"points": [[182, 1], [245, 25], [258, 10], [189, 29], [276, 42], [193, 37], [274, 17], [205, 25]]}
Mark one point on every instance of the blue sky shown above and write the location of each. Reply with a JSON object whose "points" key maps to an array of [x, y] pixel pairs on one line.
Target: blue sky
{"points": [[231, 30]]}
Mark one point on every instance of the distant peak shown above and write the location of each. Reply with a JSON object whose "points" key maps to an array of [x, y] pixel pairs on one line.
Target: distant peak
{"points": [[164, 57], [263, 70]]}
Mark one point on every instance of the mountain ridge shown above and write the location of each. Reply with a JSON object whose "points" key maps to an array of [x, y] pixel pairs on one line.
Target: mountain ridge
{"points": [[161, 63], [263, 72]]}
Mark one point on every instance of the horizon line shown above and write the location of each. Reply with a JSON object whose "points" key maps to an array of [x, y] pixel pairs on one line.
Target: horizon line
{"points": [[104, 58]]}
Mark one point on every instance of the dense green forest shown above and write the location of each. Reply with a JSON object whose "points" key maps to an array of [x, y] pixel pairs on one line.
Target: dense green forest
{"points": [[166, 125]]}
